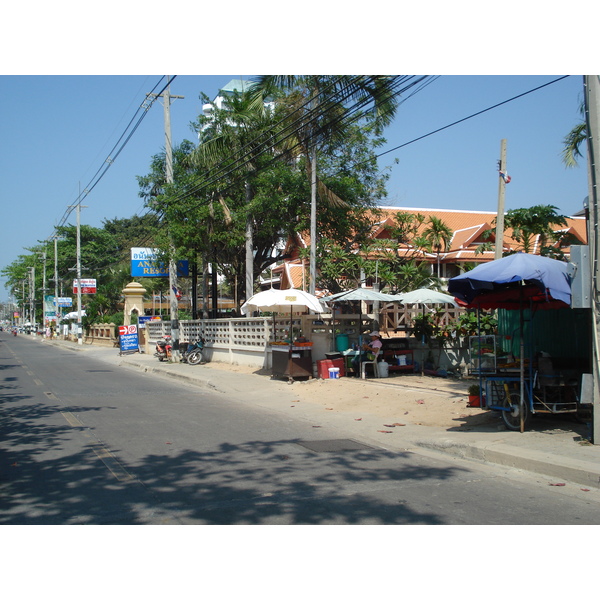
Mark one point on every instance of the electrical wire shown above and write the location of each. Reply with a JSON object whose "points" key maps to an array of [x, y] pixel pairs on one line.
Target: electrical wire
{"points": [[309, 117], [116, 149]]}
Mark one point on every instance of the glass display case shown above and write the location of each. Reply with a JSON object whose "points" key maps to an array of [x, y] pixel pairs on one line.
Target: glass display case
{"points": [[483, 353]]}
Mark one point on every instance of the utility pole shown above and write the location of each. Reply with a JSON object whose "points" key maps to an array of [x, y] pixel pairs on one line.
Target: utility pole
{"points": [[174, 306], [57, 313], [79, 324], [32, 298], [44, 297], [592, 114], [313, 220], [501, 190]]}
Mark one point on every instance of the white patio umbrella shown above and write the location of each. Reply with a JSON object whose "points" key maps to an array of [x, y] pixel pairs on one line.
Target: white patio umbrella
{"points": [[282, 301], [424, 297], [279, 301], [73, 315], [360, 294]]}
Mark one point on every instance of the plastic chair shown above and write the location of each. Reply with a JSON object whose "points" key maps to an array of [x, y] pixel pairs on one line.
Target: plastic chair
{"points": [[364, 364]]}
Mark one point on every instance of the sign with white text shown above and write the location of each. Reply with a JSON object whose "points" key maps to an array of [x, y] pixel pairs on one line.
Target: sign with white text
{"points": [[128, 338], [144, 263], [88, 286]]}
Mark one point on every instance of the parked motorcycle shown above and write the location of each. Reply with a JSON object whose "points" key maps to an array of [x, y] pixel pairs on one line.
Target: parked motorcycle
{"points": [[163, 348], [193, 353]]}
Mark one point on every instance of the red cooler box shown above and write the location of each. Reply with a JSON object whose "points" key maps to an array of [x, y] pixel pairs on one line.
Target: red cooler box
{"points": [[323, 367]]}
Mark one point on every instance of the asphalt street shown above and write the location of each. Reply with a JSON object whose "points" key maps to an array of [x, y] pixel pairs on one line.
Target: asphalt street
{"points": [[86, 442]]}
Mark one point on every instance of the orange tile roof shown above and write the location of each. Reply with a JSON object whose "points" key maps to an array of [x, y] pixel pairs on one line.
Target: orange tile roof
{"points": [[467, 227]]}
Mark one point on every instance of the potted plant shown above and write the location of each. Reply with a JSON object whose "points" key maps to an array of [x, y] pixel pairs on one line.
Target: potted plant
{"points": [[474, 393]]}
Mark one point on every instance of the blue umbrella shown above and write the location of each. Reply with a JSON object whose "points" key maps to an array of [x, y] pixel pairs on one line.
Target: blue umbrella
{"points": [[503, 283], [509, 283]]}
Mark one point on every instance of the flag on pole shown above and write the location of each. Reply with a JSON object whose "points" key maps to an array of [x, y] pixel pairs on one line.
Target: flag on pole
{"points": [[505, 176], [177, 293]]}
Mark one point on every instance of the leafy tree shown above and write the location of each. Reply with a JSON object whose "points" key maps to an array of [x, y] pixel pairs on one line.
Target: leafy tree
{"points": [[320, 110], [528, 223], [237, 138]]}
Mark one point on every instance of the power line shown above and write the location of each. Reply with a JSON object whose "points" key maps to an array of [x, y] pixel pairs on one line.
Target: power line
{"points": [[307, 118], [114, 152], [473, 115]]}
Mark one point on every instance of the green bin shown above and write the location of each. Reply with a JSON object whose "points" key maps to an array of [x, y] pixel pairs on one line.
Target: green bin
{"points": [[341, 342]]}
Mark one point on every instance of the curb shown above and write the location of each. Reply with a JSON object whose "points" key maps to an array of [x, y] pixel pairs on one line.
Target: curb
{"points": [[573, 470]]}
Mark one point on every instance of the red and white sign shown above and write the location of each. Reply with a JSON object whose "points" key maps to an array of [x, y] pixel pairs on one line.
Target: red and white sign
{"points": [[88, 286], [127, 329]]}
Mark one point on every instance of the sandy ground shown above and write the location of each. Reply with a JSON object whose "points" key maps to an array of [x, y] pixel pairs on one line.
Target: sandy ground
{"points": [[398, 399]]}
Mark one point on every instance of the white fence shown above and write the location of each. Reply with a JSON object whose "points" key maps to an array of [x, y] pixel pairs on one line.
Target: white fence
{"points": [[245, 341]]}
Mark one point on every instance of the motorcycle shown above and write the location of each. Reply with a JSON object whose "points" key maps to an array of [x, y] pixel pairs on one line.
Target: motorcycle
{"points": [[193, 353], [163, 348]]}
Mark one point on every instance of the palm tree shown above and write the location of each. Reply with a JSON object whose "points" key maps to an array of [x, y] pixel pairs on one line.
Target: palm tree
{"points": [[573, 140], [320, 107], [237, 135], [438, 234]]}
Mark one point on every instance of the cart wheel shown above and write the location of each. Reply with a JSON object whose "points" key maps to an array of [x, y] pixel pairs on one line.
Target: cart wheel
{"points": [[512, 417]]}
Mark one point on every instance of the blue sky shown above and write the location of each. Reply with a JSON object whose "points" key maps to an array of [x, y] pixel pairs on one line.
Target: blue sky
{"points": [[58, 130]]}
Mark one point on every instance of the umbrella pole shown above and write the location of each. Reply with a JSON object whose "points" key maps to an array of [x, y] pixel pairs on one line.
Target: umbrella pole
{"points": [[423, 344], [522, 361]]}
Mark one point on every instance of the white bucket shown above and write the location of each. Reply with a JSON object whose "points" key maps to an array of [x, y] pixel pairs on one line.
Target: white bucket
{"points": [[334, 373], [383, 368]]}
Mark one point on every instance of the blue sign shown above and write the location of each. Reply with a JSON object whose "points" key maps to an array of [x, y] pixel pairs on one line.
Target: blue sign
{"points": [[144, 264], [128, 338], [143, 320]]}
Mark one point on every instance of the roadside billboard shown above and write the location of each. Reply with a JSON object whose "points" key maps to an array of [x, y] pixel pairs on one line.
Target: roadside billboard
{"points": [[144, 263], [88, 286]]}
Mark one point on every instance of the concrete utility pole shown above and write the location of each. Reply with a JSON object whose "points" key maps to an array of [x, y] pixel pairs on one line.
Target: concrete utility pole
{"points": [[173, 302], [313, 221], [32, 298], [501, 190], [57, 313], [592, 112], [44, 295], [79, 323]]}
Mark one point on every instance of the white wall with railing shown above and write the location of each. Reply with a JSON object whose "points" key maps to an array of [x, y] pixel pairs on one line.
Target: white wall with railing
{"points": [[246, 341]]}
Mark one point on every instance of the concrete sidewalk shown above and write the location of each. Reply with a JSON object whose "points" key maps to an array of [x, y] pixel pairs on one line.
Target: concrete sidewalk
{"points": [[558, 450]]}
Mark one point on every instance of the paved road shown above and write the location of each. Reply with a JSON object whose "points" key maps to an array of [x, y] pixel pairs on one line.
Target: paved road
{"points": [[82, 441]]}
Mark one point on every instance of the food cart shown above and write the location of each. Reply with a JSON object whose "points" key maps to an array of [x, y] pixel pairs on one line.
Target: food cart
{"points": [[518, 387], [293, 358]]}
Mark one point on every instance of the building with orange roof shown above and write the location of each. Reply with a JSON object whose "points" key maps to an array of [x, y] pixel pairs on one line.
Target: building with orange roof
{"points": [[468, 235]]}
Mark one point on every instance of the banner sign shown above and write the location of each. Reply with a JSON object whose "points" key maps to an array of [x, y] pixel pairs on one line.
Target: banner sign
{"points": [[143, 320], [88, 286], [65, 302], [144, 263], [128, 338]]}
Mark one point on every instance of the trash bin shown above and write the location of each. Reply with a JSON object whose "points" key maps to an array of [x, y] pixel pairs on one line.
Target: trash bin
{"points": [[342, 342]]}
